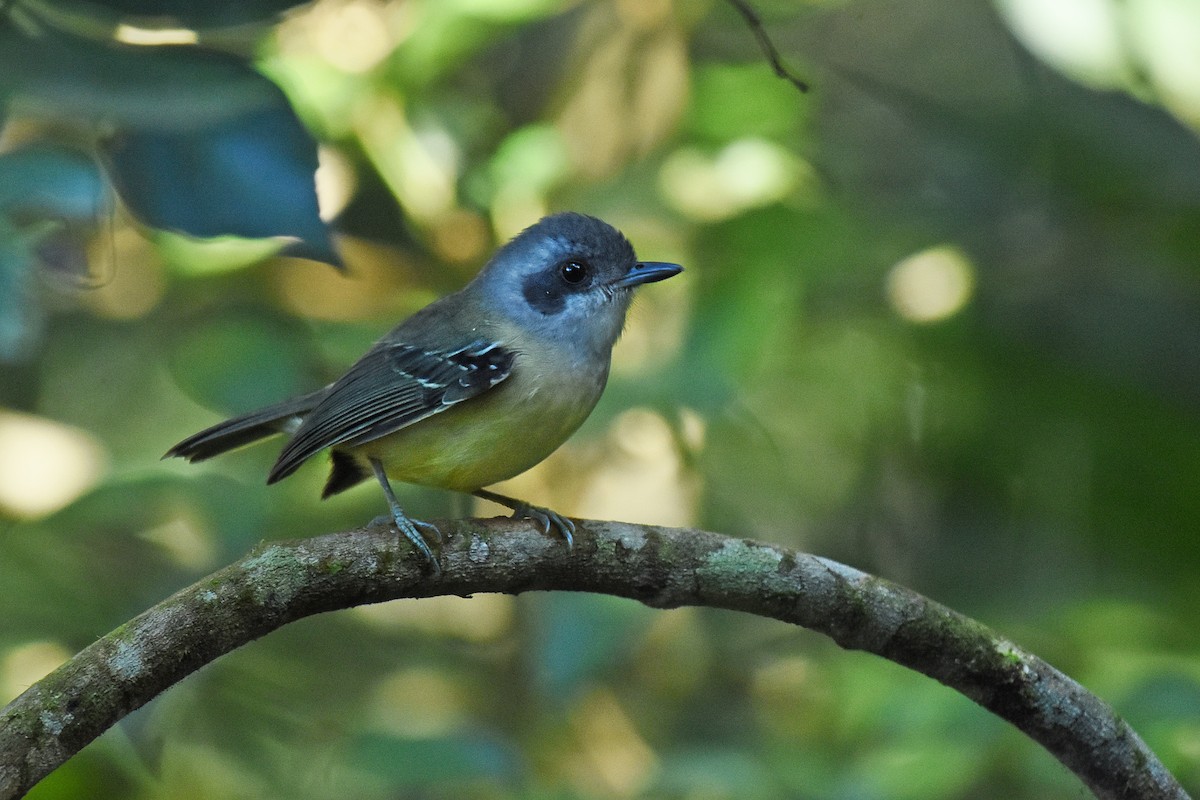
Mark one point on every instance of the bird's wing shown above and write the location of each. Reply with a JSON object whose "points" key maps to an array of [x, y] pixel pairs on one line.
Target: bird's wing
{"points": [[392, 386]]}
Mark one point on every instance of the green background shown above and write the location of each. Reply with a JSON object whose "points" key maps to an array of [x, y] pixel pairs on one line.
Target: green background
{"points": [[940, 320]]}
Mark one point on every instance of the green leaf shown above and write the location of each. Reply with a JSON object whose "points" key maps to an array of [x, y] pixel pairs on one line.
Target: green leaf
{"points": [[248, 176], [734, 102], [185, 13], [174, 87]]}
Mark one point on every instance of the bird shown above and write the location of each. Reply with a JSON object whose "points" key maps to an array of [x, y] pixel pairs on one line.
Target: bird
{"points": [[475, 387]]}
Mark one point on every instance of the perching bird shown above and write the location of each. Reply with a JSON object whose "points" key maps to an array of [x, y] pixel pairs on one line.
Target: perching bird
{"points": [[474, 388]]}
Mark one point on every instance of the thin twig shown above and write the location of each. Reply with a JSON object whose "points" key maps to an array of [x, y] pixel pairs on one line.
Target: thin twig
{"points": [[768, 47]]}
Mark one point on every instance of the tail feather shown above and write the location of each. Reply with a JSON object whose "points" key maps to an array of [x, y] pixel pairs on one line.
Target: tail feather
{"points": [[233, 433], [346, 472]]}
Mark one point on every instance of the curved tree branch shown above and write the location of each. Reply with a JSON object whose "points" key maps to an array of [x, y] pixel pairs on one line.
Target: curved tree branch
{"points": [[284, 581]]}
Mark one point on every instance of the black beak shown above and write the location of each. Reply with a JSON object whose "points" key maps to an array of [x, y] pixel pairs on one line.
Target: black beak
{"points": [[648, 272]]}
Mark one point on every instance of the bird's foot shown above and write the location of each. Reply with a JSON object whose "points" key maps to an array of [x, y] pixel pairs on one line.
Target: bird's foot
{"points": [[427, 529], [544, 517], [411, 528], [415, 531], [548, 518]]}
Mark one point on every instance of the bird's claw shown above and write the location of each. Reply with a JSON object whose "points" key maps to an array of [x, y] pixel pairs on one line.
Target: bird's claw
{"points": [[427, 528], [411, 528], [546, 518]]}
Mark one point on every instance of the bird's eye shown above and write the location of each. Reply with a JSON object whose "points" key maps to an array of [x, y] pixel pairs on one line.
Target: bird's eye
{"points": [[574, 272]]}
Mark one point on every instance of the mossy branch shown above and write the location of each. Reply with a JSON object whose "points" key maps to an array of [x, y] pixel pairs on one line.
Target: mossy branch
{"points": [[665, 568]]}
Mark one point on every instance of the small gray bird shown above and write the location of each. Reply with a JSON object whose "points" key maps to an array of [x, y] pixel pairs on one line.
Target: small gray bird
{"points": [[474, 388]]}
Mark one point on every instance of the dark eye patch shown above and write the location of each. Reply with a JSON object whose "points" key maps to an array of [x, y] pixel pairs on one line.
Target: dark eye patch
{"points": [[545, 292]]}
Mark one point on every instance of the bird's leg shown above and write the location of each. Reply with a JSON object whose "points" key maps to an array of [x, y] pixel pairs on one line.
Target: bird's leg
{"points": [[408, 526], [542, 516]]}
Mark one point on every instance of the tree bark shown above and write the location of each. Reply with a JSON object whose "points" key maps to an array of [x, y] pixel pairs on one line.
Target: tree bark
{"points": [[664, 568]]}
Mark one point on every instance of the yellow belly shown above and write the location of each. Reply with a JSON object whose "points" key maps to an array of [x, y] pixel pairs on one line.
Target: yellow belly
{"points": [[489, 438]]}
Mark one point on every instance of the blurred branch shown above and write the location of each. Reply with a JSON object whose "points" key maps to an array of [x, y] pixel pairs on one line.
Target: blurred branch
{"points": [[768, 47], [665, 568]]}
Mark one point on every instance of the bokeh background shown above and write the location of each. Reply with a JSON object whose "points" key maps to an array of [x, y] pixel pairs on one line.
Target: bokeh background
{"points": [[940, 320]]}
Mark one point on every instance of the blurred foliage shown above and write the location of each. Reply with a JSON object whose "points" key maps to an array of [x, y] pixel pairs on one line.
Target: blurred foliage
{"points": [[941, 320]]}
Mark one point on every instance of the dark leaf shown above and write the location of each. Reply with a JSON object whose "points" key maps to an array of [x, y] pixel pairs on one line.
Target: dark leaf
{"points": [[168, 87], [183, 13], [249, 176]]}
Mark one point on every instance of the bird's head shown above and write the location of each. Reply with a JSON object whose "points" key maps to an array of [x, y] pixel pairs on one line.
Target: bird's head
{"points": [[568, 277]]}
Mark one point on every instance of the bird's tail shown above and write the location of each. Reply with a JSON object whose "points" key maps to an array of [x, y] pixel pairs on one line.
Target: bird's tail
{"points": [[233, 433]]}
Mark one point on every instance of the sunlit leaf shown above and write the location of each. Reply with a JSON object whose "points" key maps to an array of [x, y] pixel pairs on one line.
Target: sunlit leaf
{"points": [[450, 31], [733, 102]]}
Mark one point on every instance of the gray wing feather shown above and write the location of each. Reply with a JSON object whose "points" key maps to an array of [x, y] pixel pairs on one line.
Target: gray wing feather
{"points": [[392, 386]]}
